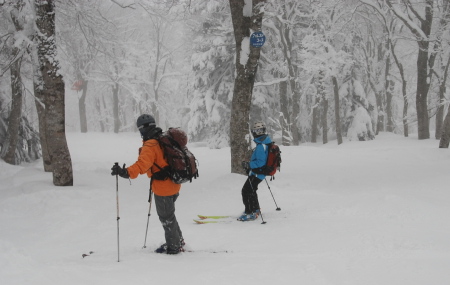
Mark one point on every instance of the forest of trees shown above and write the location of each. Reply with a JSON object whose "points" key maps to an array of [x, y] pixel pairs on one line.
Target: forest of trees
{"points": [[329, 69]]}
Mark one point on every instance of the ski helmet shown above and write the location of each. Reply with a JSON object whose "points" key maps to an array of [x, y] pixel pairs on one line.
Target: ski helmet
{"points": [[145, 119], [145, 123], [259, 129]]}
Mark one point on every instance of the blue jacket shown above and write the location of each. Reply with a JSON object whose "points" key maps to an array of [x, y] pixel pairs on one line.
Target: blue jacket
{"points": [[259, 155]]}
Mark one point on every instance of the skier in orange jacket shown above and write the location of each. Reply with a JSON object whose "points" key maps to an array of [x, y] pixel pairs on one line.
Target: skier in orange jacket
{"points": [[165, 190]]}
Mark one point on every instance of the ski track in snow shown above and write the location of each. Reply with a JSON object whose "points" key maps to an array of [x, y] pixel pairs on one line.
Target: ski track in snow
{"points": [[360, 213]]}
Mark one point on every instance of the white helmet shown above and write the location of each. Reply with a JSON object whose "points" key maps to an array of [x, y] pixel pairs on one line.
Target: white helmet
{"points": [[259, 129]]}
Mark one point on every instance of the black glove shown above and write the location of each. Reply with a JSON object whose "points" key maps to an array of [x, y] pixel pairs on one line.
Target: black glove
{"points": [[117, 170], [246, 166]]}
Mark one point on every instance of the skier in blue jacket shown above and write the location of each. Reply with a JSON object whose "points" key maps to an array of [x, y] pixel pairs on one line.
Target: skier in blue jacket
{"points": [[253, 167]]}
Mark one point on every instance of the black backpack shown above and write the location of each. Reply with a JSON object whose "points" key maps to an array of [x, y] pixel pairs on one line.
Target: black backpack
{"points": [[182, 163]]}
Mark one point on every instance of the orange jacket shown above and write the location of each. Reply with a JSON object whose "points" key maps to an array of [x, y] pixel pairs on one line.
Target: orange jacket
{"points": [[149, 154]]}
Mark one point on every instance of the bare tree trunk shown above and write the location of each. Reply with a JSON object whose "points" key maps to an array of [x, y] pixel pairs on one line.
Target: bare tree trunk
{"points": [[158, 59], [405, 110], [440, 112], [445, 132], [444, 71], [82, 107], [41, 110], [8, 152], [389, 87], [9, 149], [423, 81], [404, 83], [380, 112], [324, 103], [115, 90], [284, 119], [390, 126], [53, 92], [296, 134], [379, 95], [422, 93], [315, 120], [445, 138], [423, 78], [442, 90], [336, 110], [325, 121], [245, 77], [99, 111]]}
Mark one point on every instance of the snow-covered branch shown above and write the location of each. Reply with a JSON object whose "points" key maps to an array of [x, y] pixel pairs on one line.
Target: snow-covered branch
{"points": [[272, 82]]}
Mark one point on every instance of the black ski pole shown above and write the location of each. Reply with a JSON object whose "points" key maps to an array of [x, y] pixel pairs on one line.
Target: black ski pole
{"points": [[278, 208], [118, 218], [260, 213], [148, 216]]}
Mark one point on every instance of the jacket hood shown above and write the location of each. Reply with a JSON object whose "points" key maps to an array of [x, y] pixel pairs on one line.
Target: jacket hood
{"points": [[151, 134]]}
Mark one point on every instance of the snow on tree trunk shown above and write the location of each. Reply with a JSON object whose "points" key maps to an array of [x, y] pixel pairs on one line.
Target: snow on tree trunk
{"points": [[246, 19], [53, 93]]}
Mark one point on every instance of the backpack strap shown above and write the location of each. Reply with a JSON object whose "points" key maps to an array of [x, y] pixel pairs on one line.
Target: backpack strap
{"points": [[162, 174]]}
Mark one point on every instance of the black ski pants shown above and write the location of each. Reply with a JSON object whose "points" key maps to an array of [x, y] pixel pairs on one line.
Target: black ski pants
{"points": [[165, 207], [249, 195]]}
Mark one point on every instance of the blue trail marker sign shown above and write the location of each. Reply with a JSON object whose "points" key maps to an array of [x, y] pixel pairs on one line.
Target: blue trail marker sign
{"points": [[257, 39]]}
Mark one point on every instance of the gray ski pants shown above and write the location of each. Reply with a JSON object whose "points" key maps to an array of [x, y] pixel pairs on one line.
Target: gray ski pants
{"points": [[165, 207]]}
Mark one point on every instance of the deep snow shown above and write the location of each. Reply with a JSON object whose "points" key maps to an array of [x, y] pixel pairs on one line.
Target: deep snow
{"points": [[360, 213]]}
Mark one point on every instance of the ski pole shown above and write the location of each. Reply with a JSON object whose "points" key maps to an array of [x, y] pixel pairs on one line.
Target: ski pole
{"points": [[148, 216], [260, 213], [118, 218], [278, 208]]}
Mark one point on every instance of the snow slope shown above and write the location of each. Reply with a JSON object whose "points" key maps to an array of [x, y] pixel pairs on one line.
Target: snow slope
{"points": [[373, 212]]}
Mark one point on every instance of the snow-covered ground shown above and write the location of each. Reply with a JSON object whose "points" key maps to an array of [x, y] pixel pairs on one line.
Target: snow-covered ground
{"points": [[360, 213]]}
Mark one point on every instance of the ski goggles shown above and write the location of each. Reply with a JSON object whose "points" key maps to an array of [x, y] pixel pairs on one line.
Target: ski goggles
{"points": [[259, 131], [145, 126]]}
